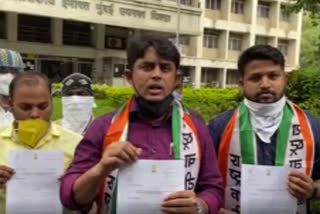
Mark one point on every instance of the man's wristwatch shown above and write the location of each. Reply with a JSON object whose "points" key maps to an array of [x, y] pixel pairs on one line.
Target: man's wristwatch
{"points": [[200, 209]]}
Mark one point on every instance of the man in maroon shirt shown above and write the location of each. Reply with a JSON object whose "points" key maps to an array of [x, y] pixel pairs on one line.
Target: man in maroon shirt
{"points": [[153, 73]]}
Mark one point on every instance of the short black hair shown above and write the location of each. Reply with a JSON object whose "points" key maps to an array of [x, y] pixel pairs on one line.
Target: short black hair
{"points": [[260, 52], [29, 79], [164, 48]]}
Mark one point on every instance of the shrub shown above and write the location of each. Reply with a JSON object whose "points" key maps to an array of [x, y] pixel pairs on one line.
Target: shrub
{"points": [[304, 89]]}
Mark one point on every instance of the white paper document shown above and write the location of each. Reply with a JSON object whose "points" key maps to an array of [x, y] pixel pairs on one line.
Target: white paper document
{"points": [[34, 189], [264, 190], [143, 185]]}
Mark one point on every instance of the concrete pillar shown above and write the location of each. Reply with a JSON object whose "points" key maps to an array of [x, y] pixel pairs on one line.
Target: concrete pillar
{"points": [[252, 20], [98, 69], [197, 80], [226, 9], [198, 44], [251, 11], [12, 27], [98, 36], [248, 40], [223, 44], [223, 77], [293, 53], [273, 41], [198, 41], [74, 66], [57, 31], [275, 14], [298, 40]]}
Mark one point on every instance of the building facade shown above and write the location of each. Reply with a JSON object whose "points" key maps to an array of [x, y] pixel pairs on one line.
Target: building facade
{"points": [[58, 37]]}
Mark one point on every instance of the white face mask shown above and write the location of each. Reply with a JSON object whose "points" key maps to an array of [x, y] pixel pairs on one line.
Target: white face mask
{"points": [[6, 117], [5, 80], [265, 118], [77, 112]]}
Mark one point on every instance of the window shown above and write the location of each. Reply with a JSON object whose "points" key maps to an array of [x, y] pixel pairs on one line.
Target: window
{"points": [[184, 40], [76, 33], [235, 43], [118, 70], [284, 14], [3, 25], [237, 6], [34, 29], [213, 4], [186, 2], [233, 77], [261, 40], [283, 47], [210, 39], [263, 10]]}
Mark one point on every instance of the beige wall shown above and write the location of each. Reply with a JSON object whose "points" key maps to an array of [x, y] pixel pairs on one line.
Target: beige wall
{"points": [[233, 55], [138, 14], [264, 22], [213, 14], [285, 26], [187, 50], [211, 53], [238, 17]]}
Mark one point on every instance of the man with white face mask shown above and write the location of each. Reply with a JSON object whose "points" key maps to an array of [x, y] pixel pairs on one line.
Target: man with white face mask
{"points": [[10, 63], [267, 129], [77, 102]]}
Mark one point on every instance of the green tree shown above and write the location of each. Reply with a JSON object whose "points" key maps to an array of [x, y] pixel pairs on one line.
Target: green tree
{"points": [[311, 6], [310, 45]]}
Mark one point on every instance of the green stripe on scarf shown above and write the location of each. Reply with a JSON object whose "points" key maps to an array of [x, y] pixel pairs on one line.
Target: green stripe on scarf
{"points": [[176, 130], [247, 136], [283, 135]]}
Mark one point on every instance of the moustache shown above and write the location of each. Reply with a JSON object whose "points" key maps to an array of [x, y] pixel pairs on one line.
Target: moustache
{"points": [[265, 92]]}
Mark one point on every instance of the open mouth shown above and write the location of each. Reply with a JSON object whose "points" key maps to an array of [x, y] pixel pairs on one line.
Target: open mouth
{"points": [[155, 89]]}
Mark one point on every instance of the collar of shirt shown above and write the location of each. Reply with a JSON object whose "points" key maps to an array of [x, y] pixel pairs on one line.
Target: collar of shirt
{"points": [[53, 132]]}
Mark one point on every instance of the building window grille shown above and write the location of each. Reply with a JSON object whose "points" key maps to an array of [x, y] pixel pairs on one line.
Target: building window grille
{"points": [[263, 10], [235, 44], [237, 6], [213, 4], [210, 39]]}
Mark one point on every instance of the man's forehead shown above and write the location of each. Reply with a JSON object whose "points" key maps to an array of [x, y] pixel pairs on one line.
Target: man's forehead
{"points": [[162, 61], [152, 56], [25, 91], [262, 66]]}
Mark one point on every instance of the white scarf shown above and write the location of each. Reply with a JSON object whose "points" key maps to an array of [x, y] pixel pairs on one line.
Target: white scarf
{"points": [[77, 112], [5, 80], [265, 118], [6, 117]]}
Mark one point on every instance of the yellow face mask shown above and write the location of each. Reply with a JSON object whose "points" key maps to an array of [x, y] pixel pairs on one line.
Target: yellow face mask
{"points": [[31, 131]]}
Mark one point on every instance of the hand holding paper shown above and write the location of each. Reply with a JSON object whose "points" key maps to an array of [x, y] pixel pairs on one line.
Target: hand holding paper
{"points": [[34, 189], [143, 185], [5, 174]]}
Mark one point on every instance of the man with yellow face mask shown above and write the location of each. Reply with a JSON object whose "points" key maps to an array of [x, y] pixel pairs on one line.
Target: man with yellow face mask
{"points": [[31, 104]]}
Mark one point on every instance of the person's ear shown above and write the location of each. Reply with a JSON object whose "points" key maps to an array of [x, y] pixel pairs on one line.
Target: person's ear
{"points": [[241, 83], [178, 77], [128, 75]]}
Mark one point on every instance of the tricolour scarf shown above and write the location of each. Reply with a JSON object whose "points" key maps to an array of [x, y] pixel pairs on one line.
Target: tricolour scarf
{"points": [[294, 148], [186, 146]]}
